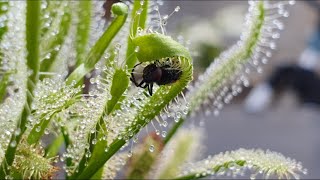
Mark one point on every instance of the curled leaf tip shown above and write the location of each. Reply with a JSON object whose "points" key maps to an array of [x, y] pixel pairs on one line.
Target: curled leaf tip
{"points": [[119, 9]]}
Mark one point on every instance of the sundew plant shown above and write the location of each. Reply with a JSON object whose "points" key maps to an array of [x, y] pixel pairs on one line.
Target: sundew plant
{"points": [[68, 105]]}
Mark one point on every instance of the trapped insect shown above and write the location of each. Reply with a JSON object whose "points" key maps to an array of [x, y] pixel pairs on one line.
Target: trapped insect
{"points": [[159, 73]]}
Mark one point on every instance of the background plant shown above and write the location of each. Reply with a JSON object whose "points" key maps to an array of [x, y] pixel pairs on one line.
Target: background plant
{"points": [[42, 41]]}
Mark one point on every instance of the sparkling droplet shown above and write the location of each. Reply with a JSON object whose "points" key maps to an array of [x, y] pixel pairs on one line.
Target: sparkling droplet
{"points": [[164, 133], [157, 132], [130, 153], [292, 2], [177, 9], [151, 148], [216, 112], [38, 129], [135, 139], [137, 49], [165, 123], [17, 132], [13, 144]]}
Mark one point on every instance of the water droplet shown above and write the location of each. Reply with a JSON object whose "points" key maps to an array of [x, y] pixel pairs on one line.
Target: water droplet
{"points": [[216, 112], [38, 129], [177, 9], [137, 49], [292, 2], [130, 153], [17, 132], [165, 123], [164, 133], [13, 144], [151, 148], [135, 139], [157, 132]]}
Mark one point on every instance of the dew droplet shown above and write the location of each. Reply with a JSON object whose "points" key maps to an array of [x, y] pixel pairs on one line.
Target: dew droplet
{"points": [[165, 123], [157, 132], [137, 49], [38, 129], [177, 9], [164, 133], [13, 143], [130, 153], [151, 148]]}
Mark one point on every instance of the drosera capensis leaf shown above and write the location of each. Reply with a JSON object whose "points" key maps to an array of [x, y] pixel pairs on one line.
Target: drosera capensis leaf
{"points": [[137, 21], [235, 163], [51, 45], [229, 65], [83, 30], [96, 52], [162, 48], [4, 80], [120, 83], [53, 149], [227, 68], [33, 63]]}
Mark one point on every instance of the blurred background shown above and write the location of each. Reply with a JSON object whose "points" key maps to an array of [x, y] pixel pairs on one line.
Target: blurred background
{"points": [[279, 120]]}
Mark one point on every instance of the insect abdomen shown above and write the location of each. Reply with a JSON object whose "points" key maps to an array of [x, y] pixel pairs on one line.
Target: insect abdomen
{"points": [[169, 76]]}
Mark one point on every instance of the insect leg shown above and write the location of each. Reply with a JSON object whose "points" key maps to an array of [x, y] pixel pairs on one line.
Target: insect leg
{"points": [[136, 65], [140, 84], [150, 88], [132, 76], [144, 86]]}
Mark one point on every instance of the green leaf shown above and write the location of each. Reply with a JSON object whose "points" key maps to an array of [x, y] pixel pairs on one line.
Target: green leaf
{"points": [[3, 30], [120, 83], [3, 86], [149, 51], [228, 67], [51, 44], [229, 64], [141, 162], [38, 130], [265, 163], [3, 10], [156, 46], [53, 149], [97, 50], [98, 174], [33, 64], [136, 22], [83, 30]]}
